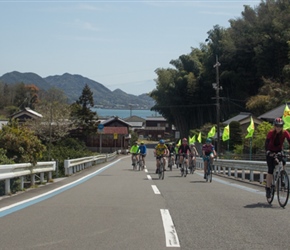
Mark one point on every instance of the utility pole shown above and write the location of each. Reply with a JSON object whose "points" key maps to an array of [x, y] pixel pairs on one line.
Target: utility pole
{"points": [[217, 87]]}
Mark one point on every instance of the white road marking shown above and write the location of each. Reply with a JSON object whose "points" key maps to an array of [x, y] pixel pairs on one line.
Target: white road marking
{"points": [[252, 190], [146, 170], [171, 237], [155, 189], [149, 177]]}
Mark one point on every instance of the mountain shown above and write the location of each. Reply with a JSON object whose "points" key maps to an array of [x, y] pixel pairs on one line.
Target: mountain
{"points": [[72, 86]]}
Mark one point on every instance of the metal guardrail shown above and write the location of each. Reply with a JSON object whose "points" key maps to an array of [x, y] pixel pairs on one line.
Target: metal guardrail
{"points": [[74, 165], [238, 168], [21, 170]]}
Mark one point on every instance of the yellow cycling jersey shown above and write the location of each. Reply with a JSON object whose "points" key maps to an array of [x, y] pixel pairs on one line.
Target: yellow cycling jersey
{"points": [[160, 149]]}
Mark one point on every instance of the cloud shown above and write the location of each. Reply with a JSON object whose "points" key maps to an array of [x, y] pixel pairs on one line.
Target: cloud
{"points": [[85, 25]]}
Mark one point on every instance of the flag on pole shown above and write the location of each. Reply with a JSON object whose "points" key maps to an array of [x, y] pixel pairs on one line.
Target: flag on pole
{"points": [[286, 117], [250, 129], [192, 139], [199, 137], [226, 133], [211, 133], [179, 143]]}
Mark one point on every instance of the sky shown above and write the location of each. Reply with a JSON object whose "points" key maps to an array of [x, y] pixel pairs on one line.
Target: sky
{"points": [[117, 43]]}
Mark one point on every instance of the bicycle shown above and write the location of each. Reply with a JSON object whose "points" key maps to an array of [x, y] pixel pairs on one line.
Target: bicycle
{"points": [[161, 167], [184, 167], [170, 161], [280, 182], [141, 163], [191, 165], [134, 161], [209, 169]]}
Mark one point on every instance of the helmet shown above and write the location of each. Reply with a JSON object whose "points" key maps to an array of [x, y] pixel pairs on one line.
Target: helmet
{"points": [[135, 142], [170, 143], [161, 141], [278, 122], [184, 139], [208, 140], [142, 142]]}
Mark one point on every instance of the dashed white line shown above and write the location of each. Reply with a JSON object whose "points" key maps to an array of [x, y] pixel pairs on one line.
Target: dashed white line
{"points": [[155, 189], [169, 229], [149, 177]]}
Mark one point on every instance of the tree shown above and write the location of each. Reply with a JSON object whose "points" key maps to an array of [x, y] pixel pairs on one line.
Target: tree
{"points": [[20, 143], [84, 118]]}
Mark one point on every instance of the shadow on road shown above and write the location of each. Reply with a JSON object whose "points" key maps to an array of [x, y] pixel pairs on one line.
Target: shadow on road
{"points": [[198, 182], [261, 205]]}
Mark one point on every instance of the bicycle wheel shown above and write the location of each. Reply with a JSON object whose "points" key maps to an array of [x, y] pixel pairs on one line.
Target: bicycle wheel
{"points": [[209, 172], [185, 170], [272, 194], [283, 188], [161, 171], [182, 169]]}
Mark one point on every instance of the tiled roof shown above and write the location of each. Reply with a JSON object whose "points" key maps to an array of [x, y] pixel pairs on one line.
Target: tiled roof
{"points": [[238, 117], [117, 130], [274, 113]]}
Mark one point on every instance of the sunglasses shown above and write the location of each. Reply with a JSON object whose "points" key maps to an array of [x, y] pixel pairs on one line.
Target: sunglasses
{"points": [[279, 126]]}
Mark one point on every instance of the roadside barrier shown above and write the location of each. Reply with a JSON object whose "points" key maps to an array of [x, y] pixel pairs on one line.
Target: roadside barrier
{"points": [[245, 170], [22, 170], [74, 165]]}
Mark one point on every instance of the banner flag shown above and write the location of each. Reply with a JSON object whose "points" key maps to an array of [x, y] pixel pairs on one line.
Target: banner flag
{"points": [[250, 129], [211, 133], [226, 133], [286, 117]]}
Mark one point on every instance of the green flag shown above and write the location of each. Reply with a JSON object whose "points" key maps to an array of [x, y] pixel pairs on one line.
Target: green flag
{"points": [[199, 137], [179, 143], [226, 133], [192, 139], [286, 117], [250, 129], [211, 133]]}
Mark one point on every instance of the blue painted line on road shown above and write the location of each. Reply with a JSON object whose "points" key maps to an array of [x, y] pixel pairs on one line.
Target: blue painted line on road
{"points": [[23, 204]]}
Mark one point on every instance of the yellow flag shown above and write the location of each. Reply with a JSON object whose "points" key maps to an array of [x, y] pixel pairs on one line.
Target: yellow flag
{"points": [[226, 133], [179, 143], [250, 129], [211, 133], [199, 137], [286, 117]]}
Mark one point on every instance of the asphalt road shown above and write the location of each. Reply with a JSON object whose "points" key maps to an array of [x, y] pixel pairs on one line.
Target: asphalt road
{"points": [[110, 206]]}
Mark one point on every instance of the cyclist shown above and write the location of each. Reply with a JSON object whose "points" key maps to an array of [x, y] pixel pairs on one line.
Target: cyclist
{"points": [[171, 152], [208, 153], [193, 154], [274, 144], [160, 151], [134, 152], [183, 151], [176, 155], [143, 152]]}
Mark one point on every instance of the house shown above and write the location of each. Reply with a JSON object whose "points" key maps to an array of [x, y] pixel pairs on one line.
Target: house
{"points": [[113, 136], [157, 127], [244, 118], [25, 114], [274, 113], [137, 122]]}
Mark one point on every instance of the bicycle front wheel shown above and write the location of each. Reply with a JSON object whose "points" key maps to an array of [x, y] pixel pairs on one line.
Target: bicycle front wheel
{"points": [[161, 171], [209, 173], [283, 188]]}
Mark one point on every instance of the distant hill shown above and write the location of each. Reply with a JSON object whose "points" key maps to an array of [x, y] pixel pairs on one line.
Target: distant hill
{"points": [[72, 86]]}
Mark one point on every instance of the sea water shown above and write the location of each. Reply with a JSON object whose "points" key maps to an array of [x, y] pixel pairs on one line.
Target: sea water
{"points": [[125, 113]]}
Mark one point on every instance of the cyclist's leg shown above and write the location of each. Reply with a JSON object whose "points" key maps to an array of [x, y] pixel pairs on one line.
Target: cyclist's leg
{"points": [[157, 165], [143, 159], [269, 177], [205, 166], [180, 161]]}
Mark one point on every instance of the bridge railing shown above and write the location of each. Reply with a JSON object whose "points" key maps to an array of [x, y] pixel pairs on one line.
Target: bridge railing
{"points": [[245, 170], [74, 165], [22, 170]]}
